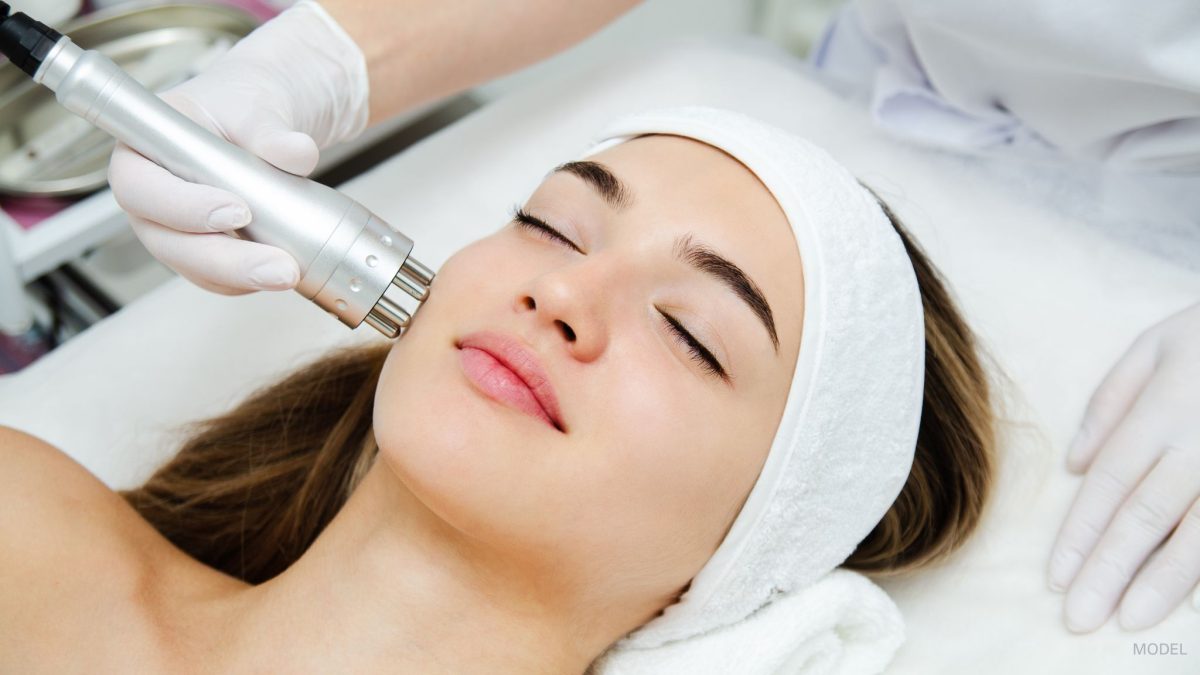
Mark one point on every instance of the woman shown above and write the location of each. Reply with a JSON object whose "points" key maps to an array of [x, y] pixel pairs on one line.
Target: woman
{"points": [[413, 508], [946, 73]]}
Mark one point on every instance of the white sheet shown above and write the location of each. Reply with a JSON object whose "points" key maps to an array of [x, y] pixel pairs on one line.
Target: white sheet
{"points": [[1055, 300]]}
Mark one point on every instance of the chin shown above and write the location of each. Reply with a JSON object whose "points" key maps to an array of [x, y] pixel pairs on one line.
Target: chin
{"points": [[455, 454], [469, 459]]}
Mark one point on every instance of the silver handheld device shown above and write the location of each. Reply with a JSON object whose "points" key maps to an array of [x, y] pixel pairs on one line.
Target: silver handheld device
{"points": [[352, 264]]}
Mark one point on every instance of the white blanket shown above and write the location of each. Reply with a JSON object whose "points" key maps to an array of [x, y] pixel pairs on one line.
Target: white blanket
{"points": [[1055, 300]]}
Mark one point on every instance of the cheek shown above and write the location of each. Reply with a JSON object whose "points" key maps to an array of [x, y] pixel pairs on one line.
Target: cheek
{"points": [[663, 467], [502, 256]]}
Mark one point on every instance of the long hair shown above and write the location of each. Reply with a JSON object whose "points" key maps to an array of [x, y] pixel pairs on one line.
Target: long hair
{"points": [[250, 490]]}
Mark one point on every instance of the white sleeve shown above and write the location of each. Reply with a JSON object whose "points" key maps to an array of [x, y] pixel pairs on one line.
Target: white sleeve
{"points": [[1103, 81]]}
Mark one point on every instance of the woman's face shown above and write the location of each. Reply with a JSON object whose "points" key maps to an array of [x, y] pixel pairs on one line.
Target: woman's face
{"points": [[657, 448]]}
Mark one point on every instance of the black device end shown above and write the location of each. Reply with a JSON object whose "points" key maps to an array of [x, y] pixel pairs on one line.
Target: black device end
{"points": [[24, 41]]}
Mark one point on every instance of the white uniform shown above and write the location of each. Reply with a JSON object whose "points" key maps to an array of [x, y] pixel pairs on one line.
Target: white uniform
{"points": [[1089, 79]]}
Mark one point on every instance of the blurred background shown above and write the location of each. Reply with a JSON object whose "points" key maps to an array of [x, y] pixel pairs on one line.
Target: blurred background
{"points": [[67, 256]]}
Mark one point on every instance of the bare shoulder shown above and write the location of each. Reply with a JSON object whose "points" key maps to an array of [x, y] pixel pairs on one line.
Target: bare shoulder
{"points": [[45, 493], [80, 571], [53, 509], [20, 451], [66, 549]]}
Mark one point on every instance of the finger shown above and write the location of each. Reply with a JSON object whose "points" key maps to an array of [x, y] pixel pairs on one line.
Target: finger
{"points": [[268, 135], [1112, 400], [219, 262], [262, 131], [146, 190], [1123, 462], [1169, 576], [1144, 521], [146, 232]]}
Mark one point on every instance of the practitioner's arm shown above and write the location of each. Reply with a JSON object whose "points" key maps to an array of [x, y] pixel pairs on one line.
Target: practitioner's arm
{"points": [[421, 50]]}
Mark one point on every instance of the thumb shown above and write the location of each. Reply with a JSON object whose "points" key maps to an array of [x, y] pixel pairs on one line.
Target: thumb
{"points": [[270, 137]]}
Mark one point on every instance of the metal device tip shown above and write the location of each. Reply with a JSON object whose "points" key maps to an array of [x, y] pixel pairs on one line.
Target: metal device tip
{"points": [[417, 271], [388, 317], [389, 331], [416, 290]]}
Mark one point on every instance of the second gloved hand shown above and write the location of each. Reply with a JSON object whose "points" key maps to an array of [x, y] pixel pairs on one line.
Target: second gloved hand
{"points": [[1132, 536], [296, 84]]}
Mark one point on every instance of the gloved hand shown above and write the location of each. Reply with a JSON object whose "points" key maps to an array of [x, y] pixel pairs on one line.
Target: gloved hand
{"points": [[1140, 445], [296, 84]]}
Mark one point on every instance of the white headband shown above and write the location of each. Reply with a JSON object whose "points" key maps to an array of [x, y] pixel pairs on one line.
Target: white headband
{"points": [[844, 447]]}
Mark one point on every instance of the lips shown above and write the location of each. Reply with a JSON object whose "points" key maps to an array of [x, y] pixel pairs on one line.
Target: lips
{"points": [[510, 373]]}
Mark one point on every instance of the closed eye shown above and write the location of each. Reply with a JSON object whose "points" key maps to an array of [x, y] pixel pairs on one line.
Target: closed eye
{"points": [[525, 220], [700, 353]]}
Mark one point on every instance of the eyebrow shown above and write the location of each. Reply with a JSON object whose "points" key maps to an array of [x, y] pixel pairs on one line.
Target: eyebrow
{"points": [[607, 185], [711, 263], [686, 249]]}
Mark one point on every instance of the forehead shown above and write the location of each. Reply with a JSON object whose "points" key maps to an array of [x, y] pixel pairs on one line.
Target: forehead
{"points": [[681, 185]]}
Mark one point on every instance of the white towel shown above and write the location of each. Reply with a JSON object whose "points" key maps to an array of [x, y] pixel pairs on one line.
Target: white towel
{"points": [[841, 625]]}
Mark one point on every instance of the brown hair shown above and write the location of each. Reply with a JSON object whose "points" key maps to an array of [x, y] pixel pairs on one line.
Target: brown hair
{"points": [[250, 490]]}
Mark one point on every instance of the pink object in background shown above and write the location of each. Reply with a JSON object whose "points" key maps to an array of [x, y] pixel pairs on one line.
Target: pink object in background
{"points": [[29, 211], [18, 351]]}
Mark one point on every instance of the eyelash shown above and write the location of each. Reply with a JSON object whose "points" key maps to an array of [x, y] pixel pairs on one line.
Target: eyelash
{"points": [[538, 225], [699, 353]]}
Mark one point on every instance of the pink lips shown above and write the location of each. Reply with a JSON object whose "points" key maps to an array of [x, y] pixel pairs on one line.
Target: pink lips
{"points": [[506, 371]]}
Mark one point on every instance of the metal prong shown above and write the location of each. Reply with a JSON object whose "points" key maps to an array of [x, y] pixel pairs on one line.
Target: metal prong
{"points": [[391, 312], [382, 325], [411, 287], [417, 271]]}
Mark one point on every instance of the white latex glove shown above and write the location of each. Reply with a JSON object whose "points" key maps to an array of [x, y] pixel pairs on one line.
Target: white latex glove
{"points": [[1140, 445], [296, 84]]}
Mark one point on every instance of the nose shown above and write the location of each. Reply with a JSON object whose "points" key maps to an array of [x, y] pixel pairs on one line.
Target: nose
{"points": [[568, 302]]}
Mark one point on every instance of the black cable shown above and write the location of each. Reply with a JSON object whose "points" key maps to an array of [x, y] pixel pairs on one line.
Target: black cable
{"points": [[24, 41]]}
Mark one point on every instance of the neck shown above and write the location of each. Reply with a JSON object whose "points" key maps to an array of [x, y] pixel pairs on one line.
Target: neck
{"points": [[390, 587]]}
